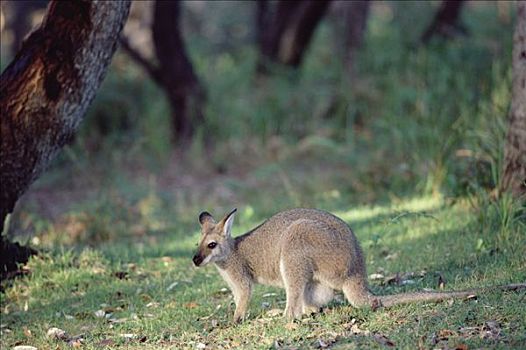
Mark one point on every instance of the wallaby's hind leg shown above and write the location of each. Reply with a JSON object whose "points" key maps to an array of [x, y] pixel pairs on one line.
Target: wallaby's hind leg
{"points": [[356, 292], [295, 278], [316, 295]]}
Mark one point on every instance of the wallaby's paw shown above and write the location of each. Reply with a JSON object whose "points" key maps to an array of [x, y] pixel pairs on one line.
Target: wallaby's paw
{"points": [[291, 315], [311, 310]]}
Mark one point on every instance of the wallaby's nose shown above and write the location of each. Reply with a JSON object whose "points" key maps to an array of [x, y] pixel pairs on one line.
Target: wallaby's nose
{"points": [[197, 259]]}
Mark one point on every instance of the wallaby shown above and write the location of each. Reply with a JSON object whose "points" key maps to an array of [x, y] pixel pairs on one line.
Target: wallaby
{"points": [[309, 252]]}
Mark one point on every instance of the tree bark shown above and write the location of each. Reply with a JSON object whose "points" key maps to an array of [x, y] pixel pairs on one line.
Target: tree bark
{"points": [[46, 90], [446, 22], [514, 172], [287, 31]]}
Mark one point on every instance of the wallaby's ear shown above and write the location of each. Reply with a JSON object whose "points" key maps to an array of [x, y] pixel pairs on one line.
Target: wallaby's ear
{"points": [[227, 223], [206, 217]]}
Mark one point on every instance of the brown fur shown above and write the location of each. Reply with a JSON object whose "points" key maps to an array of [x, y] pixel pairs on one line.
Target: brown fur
{"points": [[308, 252]]}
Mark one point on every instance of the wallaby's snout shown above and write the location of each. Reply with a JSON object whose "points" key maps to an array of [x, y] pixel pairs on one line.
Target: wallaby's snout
{"points": [[197, 259]]}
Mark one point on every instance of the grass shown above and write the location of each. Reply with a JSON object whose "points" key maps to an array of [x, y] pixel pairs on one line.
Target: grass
{"points": [[408, 155], [152, 297]]}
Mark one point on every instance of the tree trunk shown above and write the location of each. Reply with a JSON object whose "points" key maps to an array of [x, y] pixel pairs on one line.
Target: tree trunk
{"points": [[287, 31], [272, 22], [514, 172], [181, 84], [356, 13], [48, 87], [262, 18], [298, 33], [174, 73], [446, 22]]}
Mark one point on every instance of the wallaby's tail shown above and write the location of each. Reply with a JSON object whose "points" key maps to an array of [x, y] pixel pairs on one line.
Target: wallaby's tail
{"points": [[404, 298]]}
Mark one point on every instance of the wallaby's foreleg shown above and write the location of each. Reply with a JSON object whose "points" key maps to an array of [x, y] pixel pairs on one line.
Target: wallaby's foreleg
{"points": [[242, 294]]}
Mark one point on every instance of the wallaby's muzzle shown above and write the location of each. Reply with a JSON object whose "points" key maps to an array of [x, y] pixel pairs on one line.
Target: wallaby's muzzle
{"points": [[197, 259]]}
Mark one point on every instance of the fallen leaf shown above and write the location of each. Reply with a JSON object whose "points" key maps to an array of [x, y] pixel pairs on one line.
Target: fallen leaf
{"points": [[391, 256], [27, 332], [356, 330], [172, 286], [56, 333], [77, 343], [191, 305], [128, 335], [461, 346], [200, 346], [376, 276], [152, 304], [100, 313], [291, 326], [266, 295], [445, 334]]}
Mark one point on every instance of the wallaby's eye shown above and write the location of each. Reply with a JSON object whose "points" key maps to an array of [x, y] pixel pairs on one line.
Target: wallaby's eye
{"points": [[212, 245]]}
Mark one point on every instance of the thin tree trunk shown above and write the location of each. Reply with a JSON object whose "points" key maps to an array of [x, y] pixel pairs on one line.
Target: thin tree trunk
{"points": [[180, 82], [356, 18], [446, 22], [262, 18], [273, 22], [514, 172], [287, 31], [298, 34], [46, 90]]}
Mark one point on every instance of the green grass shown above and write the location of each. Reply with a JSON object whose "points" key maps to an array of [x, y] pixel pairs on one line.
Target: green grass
{"points": [[407, 154], [150, 289]]}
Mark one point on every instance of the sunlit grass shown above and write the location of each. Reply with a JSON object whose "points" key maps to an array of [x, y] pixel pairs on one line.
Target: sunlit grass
{"points": [[151, 291]]}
